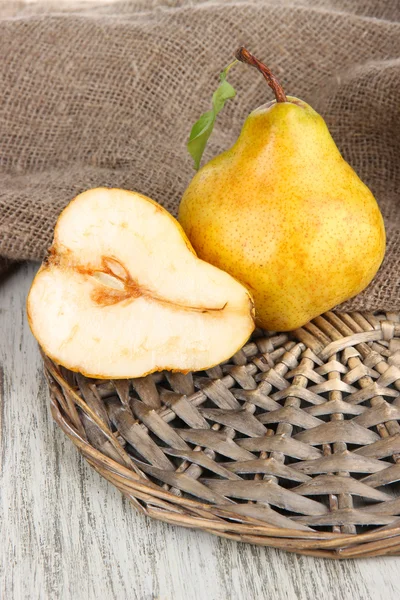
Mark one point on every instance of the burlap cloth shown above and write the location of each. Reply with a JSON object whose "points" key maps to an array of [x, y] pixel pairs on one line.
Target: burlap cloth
{"points": [[105, 93]]}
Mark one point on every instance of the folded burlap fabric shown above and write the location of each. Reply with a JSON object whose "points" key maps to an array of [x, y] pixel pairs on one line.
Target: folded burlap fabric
{"points": [[95, 93]]}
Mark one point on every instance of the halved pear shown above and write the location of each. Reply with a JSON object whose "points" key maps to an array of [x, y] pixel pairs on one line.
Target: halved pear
{"points": [[123, 294]]}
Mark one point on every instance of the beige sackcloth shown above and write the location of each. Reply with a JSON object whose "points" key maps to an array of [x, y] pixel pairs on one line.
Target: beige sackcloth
{"points": [[97, 93]]}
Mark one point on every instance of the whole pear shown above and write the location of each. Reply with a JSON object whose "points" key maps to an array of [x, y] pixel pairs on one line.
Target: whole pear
{"points": [[285, 214]]}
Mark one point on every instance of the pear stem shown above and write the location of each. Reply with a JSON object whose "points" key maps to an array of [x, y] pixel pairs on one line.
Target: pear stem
{"points": [[248, 58]]}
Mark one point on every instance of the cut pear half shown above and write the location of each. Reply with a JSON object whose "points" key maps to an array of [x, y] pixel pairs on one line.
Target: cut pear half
{"points": [[123, 294]]}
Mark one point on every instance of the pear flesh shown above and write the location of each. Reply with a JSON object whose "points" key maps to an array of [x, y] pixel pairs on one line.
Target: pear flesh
{"points": [[123, 294], [286, 215]]}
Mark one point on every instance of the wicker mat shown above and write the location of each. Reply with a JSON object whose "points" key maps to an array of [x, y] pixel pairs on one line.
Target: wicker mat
{"points": [[293, 443]]}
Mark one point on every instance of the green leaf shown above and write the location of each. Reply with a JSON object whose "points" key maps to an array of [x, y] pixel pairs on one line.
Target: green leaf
{"points": [[202, 129], [199, 135], [223, 93]]}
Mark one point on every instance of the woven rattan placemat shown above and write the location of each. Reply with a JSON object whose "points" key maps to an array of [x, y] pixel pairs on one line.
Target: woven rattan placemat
{"points": [[293, 443]]}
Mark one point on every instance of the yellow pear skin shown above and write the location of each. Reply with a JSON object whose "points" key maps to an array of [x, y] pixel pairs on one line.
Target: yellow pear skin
{"points": [[282, 212]]}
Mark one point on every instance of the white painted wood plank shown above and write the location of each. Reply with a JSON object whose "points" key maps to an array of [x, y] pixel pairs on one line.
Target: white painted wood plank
{"points": [[66, 534]]}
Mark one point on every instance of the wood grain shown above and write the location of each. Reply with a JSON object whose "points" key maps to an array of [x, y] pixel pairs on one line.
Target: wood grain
{"points": [[66, 534]]}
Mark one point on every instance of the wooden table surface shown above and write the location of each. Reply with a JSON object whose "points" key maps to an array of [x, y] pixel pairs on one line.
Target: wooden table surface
{"points": [[67, 534]]}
